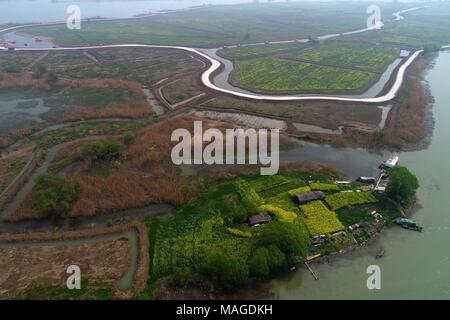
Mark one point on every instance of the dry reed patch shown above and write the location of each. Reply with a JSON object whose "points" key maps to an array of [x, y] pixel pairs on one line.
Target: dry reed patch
{"points": [[105, 262]]}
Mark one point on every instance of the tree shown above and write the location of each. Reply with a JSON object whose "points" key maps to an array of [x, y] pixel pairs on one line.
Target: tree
{"points": [[277, 258], [56, 194], [289, 238], [402, 183], [265, 260], [225, 271], [259, 262]]}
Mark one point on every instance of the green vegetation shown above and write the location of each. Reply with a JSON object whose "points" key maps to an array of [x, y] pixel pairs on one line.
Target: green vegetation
{"points": [[80, 130], [12, 67], [282, 215], [319, 219], [210, 231], [217, 25], [249, 197], [299, 190], [266, 260], [258, 51], [102, 150], [402, 183], [225, 271], [349, 199], [56, 194], [324, 186], [39, 71], [128, 136], [279, 75], [347, 54], [290, 238], [239, 233], [58, 292]]}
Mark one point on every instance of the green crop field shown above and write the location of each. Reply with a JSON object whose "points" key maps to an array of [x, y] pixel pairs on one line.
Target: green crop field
{"points": [[218, 25], [258, 51], [349, 199], [278, 75], [319, 219], [371, 58]]}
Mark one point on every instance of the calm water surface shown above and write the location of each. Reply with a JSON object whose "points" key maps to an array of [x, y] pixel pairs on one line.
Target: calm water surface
{"points": [[22, 11]]}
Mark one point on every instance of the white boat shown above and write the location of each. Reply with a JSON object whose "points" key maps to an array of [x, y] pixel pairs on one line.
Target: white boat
{"points": [[391, 162]]}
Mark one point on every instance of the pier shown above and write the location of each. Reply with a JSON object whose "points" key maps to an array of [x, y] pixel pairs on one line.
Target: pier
{"points": [[312, 271]]}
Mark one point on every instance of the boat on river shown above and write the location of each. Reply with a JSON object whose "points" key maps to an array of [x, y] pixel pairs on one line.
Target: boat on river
{"points": [[408, 224], [391, 162]]}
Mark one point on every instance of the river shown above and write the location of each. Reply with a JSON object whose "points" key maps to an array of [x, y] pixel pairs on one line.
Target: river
{"points": [[26, 11], [415, 265]]}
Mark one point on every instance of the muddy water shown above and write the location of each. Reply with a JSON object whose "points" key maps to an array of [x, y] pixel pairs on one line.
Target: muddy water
{"points": [[415, 265]]}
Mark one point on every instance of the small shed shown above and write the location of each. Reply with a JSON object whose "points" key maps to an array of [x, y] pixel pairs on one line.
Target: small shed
{"points": [[260, 218], [305, 197]]}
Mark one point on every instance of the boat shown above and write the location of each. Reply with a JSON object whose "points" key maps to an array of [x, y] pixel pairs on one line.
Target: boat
{"points": [[408, 224], [37, 39], [391, 162], [366, 179]]}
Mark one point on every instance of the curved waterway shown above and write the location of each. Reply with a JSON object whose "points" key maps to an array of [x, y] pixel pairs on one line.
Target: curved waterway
{"points": [[415, 265], [207, 77]]}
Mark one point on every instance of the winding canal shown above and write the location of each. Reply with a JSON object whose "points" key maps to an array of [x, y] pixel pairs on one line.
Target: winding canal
{"points": [[215, 65]]}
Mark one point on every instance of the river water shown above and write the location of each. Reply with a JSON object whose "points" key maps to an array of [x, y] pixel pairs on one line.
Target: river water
{"points": [[26, 11], [415, 265]]}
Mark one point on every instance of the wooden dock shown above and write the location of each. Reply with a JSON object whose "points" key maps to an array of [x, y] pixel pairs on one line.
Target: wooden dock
{"points": [[312, 271]]}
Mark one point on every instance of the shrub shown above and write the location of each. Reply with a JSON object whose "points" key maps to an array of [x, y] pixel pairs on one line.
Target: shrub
{"points": [[239, 233], [295, 191], [56, 194], [324, 186], [281, 214], [39, 71], [225, 271], [52, 77], [348, 199], [319, 219], [248, 195], [102, 150], [129, 136], [12, 68]]}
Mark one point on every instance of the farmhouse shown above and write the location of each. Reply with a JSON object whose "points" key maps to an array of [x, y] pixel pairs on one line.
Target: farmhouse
{"points": [[261, 218], [305, 197]]}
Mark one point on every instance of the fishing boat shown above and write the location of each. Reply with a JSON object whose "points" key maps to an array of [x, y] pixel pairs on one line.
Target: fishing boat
{"points": [[408, 224]]}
